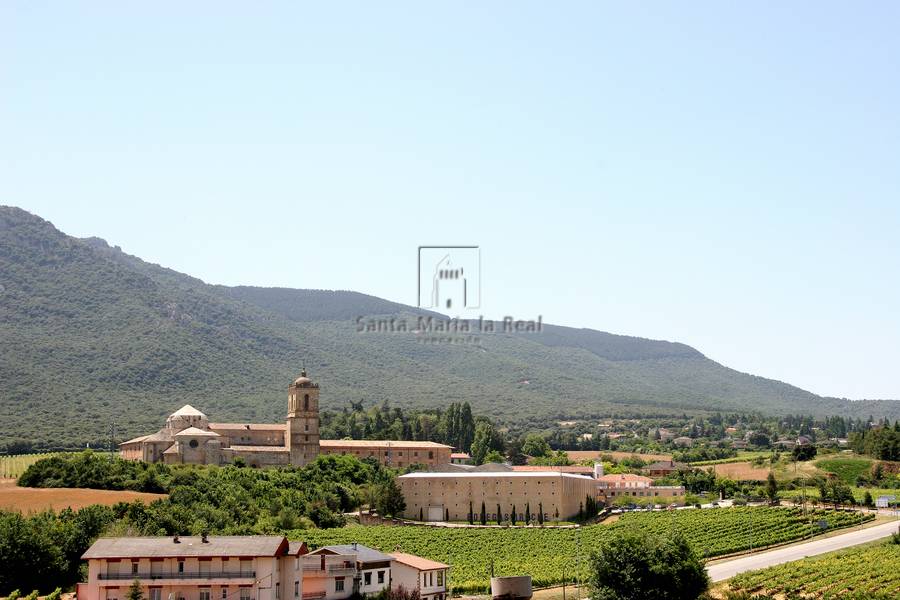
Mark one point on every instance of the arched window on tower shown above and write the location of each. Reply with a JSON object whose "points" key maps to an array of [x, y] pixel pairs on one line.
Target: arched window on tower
{"points": [[306, 402]]}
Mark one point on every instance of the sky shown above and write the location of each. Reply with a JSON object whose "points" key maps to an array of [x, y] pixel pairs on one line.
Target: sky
{"points": [[720, 175]]}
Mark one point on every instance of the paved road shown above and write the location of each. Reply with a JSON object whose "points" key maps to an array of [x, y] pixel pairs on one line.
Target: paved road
{"points": [[730, 568]]}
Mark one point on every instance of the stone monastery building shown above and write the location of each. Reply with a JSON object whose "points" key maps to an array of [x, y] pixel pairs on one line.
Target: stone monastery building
{"points": [[189, 438]]}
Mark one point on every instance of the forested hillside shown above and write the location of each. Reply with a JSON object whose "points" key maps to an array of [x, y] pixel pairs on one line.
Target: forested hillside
{"points": [[92, 336]]}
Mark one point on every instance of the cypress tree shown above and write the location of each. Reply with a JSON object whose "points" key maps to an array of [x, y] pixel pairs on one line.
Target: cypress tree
{"points": [[512, 516], [528, 513], [499, 516], [483, 514]]}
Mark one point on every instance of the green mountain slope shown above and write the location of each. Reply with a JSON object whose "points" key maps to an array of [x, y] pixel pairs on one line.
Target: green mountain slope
{"points": [[92, 336]]}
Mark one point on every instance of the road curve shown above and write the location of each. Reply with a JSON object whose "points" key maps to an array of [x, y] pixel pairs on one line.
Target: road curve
{"points": [[729, 568]]}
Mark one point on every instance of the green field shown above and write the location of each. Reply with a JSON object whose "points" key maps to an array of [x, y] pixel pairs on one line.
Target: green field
{"points": [[741, 457], [871, 573], [551, 555], [846, 469], [13, 466]]}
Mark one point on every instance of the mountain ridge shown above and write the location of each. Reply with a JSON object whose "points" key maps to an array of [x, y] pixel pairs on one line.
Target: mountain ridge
{"points": [[96, 336]]}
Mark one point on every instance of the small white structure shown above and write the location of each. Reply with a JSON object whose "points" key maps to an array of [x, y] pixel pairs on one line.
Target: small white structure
{"points": [[885, 501], [511, 588], [428, 577]]}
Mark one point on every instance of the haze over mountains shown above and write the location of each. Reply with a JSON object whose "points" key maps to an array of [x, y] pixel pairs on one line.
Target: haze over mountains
{"points": [[92, 336]]}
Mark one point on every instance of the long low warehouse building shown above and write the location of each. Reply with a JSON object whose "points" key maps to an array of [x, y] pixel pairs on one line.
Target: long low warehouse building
{"points": [[435, 496]]}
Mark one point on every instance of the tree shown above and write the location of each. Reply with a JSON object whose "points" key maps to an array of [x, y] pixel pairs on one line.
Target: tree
{"points": [[512, 515], [135, 592], [636, 565], [772, 488], [867, 500], [494, 457], [471, 515], [483, 514], [540, 513], [528, 513], [499, 516], [514, 452], [804, 452], [535, 445], [389, 501], [487, 441]]}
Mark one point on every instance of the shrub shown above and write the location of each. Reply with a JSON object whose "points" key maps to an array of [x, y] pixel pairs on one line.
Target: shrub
{"points": [[640, 566]]}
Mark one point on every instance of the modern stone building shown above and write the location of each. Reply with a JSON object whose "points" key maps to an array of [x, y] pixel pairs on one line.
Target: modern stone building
{"points": [[441, 496], [189, 438]]}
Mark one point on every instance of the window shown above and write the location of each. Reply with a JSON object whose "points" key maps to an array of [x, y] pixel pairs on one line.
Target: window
{"points": [[134, 568], [224, 594], [204, 594], [367, 578], [440, 578], [339, 585], [380, 576], [181, 566], [192, 443], [296, 589], [155, 593], [430, 454], [306, 402], [245, 593], [277, 592]]}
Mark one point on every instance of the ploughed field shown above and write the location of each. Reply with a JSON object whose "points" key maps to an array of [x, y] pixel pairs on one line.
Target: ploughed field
{"points": [[871, 572], [551, 555], [26, 500]]}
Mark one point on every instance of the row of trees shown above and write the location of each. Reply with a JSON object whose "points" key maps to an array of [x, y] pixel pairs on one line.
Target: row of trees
{"points": [[454, 426], [511, 517], [881, 442]]}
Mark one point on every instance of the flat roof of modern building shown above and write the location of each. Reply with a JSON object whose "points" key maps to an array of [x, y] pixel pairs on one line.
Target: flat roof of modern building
{"points": [[417, 562], [166, 547], [490, 474], [559, 468]]}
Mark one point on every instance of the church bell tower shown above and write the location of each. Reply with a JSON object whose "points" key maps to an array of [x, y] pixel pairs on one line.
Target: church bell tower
{"points": [[302, 434]]}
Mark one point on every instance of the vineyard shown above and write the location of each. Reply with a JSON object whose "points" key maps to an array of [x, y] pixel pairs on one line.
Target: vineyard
{"points": [[870, 573], [552, 555], [13, 466]]}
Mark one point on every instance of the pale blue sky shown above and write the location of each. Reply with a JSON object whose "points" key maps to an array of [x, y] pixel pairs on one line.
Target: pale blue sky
{"points": [[722, 176]]}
